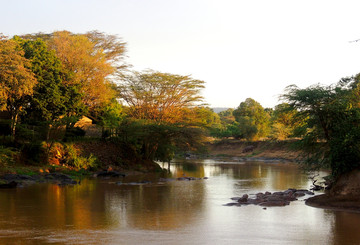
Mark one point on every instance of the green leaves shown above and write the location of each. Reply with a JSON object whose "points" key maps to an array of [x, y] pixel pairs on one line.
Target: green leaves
{"points": [[253, 119], [331, 123]]}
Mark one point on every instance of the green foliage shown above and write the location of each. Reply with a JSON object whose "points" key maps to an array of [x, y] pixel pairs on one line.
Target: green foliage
{"points": [[331, 128], [284, 120], [47, 102], [110, 115], [73, 159], [7, 156], [253, 120], [246, 129], [152, 141]]}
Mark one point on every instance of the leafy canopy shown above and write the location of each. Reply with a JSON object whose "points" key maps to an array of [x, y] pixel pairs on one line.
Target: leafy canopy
{"points": [[160, 97]]}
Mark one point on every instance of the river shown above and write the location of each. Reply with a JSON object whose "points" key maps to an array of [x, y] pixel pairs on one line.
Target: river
{"points": [[99, 211]]}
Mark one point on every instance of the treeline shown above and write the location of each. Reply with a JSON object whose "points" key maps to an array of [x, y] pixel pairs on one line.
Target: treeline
{"points": [[325, 120], [250, 121], [49, 81]]}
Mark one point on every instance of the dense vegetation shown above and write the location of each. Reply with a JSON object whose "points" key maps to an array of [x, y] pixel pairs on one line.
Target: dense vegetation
{"points": [[50, 81]]}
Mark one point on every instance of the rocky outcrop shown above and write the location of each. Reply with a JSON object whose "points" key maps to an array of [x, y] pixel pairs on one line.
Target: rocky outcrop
{"points": [[268, 199]]}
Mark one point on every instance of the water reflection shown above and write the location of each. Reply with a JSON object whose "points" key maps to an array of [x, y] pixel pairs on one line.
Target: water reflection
{"points": [[186, 211]]}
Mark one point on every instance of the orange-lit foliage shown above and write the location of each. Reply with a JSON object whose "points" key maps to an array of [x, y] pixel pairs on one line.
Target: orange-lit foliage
{"points": [[160, 97], [56, 155], [87, 64], [16, 79]]}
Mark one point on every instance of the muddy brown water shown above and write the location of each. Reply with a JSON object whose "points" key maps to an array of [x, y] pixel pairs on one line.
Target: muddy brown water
{"points": [[175, 212]]}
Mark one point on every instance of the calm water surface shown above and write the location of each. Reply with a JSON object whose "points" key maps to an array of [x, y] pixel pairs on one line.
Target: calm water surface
{"points": [[177, 212]]}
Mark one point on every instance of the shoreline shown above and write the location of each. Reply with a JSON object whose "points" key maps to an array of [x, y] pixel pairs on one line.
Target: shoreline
{"points": [[337, 203]]}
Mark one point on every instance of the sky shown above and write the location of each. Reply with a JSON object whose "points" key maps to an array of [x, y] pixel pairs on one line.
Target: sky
{"points": [[240, 48]]}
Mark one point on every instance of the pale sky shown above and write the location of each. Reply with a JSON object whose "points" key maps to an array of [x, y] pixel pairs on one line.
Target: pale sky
{"points": [[240, 48]]}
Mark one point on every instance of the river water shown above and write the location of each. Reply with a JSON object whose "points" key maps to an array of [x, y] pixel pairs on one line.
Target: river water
{"points": [[175, 212]]}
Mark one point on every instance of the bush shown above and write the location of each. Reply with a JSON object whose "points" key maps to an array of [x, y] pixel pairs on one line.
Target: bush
{"points": [[68, 155], [7, 156]]}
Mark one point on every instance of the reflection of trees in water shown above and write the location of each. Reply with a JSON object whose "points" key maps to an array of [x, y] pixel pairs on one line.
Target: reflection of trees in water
{"points": [[51, 206], [346, 228], [260, 175], [164, 207], [93, 204], [188, 169]]}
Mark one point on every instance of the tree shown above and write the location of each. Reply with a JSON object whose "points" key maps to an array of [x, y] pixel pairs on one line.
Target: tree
{"points": [[161, 106], [88, 65], [331, 132], [227, 116], [284, 121], [252, 118], [112, 46], [160, 97], [47, 102], [16, 79]]}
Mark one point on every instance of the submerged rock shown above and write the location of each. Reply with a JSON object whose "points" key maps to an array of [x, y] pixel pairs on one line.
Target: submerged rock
{"points": [[268, 199]]}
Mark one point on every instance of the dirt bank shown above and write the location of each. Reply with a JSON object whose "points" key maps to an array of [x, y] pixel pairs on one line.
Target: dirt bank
{"points": [[341, 203], [344, 194], [258, 149]]}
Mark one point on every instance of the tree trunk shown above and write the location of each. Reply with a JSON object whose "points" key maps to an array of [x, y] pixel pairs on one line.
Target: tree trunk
{"points": [[14, 119]]}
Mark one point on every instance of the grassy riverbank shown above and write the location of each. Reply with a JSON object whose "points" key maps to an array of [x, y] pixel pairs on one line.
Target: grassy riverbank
{"points": [[81, 157]]}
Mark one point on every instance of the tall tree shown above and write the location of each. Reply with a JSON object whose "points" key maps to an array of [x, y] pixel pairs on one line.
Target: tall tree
{"points": [[47, 102], [161, 106], [16, 79], [88, 64], [331, 132], [52, 100], [160, 97]]}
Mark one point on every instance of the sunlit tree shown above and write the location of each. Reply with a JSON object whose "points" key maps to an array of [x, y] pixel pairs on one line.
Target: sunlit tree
{"points": [[160, 97], [17, 81], [87, 63], [331, 129]]}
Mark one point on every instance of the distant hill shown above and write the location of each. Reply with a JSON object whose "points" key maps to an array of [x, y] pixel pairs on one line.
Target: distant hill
{"points": [[219, 109]]}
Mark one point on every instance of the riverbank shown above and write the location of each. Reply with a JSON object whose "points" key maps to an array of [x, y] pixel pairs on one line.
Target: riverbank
{"points": [[344, 194], [276, 150], [79, 158], [339, 203]]}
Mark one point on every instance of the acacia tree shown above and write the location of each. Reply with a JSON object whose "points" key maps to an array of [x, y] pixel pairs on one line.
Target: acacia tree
{"points": [[16, 79], [87, 64], [162, 106], [331, 129], [160, 97]]}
